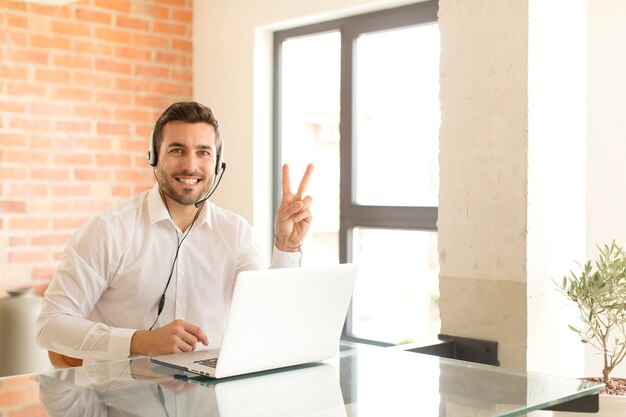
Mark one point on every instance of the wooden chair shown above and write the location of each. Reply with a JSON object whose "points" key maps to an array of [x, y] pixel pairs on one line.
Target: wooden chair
{"points": [[61, 361]]}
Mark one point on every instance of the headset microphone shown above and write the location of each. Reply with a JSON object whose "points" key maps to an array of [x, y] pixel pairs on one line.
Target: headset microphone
{"points": [[199, 203]]}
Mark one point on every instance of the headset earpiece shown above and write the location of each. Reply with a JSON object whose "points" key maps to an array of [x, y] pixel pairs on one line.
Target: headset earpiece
{"points": [[219, 162], [152, 154]]}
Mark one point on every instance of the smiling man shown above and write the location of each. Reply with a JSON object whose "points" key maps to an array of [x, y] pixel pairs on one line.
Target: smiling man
{"points": [[154, 274]]}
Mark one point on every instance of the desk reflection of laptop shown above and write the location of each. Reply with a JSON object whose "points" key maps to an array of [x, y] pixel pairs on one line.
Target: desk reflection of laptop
{"points": [[278, 318], [310, 391]]}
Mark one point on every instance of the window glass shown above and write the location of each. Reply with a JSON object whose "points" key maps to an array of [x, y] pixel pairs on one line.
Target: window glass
{"points": [[396, 300], [375, 186], [397, 117], [310, 132]]}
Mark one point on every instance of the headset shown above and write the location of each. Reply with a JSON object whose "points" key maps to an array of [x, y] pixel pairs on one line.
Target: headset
{"points": [[220, 167], [153, 157]]}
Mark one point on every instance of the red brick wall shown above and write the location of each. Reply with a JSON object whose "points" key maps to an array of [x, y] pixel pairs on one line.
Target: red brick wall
{"points": [[19, 397], [80, 87]]}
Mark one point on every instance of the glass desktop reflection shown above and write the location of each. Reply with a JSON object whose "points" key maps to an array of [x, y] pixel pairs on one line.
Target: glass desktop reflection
{"points": [[139, 388]]}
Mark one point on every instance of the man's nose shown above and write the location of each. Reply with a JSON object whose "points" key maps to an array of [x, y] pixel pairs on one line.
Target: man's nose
{"points": [[190, 161]]}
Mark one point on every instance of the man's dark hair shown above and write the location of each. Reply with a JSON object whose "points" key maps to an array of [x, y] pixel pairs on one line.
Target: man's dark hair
{"points": [[188, 112]]}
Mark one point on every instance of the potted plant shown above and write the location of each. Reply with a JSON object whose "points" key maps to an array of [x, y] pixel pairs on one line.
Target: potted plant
{"points": [[599, 292]]}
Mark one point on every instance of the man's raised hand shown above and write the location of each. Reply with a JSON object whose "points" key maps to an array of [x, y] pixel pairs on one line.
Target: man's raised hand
{"points": [[294, 217]]}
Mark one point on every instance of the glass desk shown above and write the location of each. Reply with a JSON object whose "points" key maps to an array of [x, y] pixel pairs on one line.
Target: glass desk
{"points": [[358, 381]]}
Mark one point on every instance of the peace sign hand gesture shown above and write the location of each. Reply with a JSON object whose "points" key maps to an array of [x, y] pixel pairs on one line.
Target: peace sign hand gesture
{"points": [[294, 217]]}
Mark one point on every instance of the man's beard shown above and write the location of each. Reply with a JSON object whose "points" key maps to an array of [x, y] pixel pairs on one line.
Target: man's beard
{"points": [[184, 199]]}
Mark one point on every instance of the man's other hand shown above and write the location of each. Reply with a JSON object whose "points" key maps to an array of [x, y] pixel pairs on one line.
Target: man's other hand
{"points": [[178, 336]]}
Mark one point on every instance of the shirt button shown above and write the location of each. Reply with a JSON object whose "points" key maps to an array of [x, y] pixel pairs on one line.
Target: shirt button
{"points": [[182, 273]]}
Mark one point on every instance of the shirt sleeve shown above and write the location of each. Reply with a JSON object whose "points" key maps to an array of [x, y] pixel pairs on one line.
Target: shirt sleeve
{"points": [[282, 259], [250, 255], [80, 280]]}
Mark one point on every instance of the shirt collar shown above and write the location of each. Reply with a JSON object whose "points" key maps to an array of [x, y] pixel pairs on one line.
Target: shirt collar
{"points": [[158, 212]]}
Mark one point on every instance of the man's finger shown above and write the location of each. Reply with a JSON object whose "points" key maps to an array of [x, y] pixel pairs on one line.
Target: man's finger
{"points": [[306, 202], [286, 180], [300, 205], [294, 207], [189, 339], [197, 334], [305, 215], [304, 183], [184, 346]]}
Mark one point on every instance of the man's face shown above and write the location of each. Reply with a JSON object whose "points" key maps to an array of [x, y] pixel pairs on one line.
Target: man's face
{"points": [[186, 164]]}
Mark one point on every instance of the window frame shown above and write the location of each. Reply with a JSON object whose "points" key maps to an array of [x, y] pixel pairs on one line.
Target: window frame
{"points": [[354, 215]]}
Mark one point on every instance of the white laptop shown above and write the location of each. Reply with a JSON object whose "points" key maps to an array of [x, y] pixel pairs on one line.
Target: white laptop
{"points": [[278, 318]]}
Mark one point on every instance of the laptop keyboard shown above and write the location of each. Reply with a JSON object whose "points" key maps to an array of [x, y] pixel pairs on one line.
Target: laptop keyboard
{"points": [[211, 363]]}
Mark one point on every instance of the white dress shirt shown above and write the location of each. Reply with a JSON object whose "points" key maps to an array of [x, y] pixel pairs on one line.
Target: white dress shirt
{"points": [[116, 266]]}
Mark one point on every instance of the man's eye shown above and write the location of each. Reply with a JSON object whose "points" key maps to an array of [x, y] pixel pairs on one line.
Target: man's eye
{"points": [[176, 151], [204, 153]]}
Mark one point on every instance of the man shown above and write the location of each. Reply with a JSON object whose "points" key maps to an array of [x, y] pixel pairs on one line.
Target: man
{"points": [[154, 274]]}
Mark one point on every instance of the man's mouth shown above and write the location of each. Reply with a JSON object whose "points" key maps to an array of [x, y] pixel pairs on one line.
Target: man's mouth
{"points": [[188, 181]]}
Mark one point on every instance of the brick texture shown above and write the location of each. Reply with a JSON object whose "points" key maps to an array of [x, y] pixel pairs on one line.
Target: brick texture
{"points": [[19, 396], [80, 87]]}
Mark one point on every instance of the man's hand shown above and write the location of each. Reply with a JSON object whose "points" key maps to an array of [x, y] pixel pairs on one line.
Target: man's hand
{"points": [[178, 336], [294, 217]]}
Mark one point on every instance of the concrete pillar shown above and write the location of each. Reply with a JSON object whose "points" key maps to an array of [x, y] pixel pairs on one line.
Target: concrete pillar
{"points": [[512, 183]]}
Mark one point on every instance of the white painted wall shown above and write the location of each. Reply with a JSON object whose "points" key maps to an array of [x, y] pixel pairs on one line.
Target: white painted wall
{"points": [[606, 134], [557, 61]]}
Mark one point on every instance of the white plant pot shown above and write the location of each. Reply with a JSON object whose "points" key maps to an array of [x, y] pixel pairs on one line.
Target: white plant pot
{"points": [[610, 406]]}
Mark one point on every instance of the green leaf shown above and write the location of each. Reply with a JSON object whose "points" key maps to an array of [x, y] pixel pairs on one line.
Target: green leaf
{"points": [[598, 288]]}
